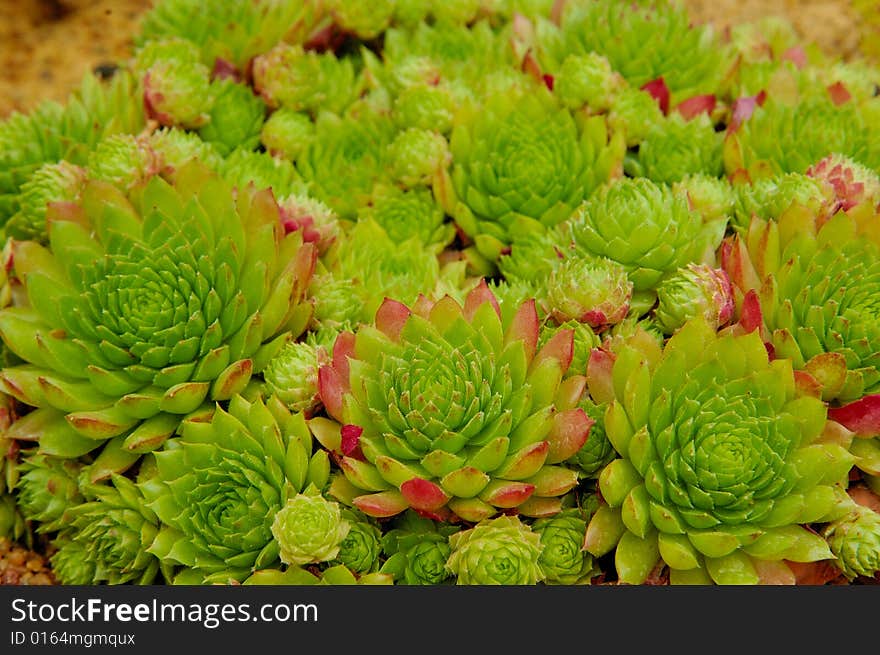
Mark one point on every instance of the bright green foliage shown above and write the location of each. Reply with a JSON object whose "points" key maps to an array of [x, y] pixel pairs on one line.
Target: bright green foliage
{"points": [[417, 156], [287, 132], [235, 119], [220, 487], [417, 549], [597, 452], [407, 214], [47, 486], [562, 558], [361, 548], [676, 148], [309, 529], [292, 375], [51, 183], [721, 463], [499, 551], [587, 80], [695, 290], [591, 290], [855, 541], [769, 197]]}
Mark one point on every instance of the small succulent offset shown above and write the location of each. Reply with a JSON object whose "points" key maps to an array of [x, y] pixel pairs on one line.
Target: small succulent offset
{"points": [[855, 541], [417, 550], [309, 529], [445, 409], [563, 559], [721, 463], [143, 309], [499, 551], [695, 290]]}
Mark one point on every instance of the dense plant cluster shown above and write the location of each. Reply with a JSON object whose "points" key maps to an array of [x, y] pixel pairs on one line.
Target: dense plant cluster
{"points": [[430, 292]]}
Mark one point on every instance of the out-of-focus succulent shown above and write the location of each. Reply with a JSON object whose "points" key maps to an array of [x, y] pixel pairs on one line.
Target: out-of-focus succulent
{"points": [[406, 214], [591, 290], [359, 551], [587, 80], [789, 138], [818, 286], [244, 167], [309, 529], [144, 310], [695, 290], [563, 559], [525, 156], [769, 197], [220, 485], [425, 107], [634, 113], [292, 375], [179, 93], [645, 226], [453, 411], [46, 488], [676, 148], [122, 160], [852, 182], [173, 147], [315, 220], [417, 549], [712, 197], [235, 119], [417, 157], [287, 132], [366, 19], [722, 463], [59, 182], [105, 539], [303, 80], [499, 551], [855, 541]]}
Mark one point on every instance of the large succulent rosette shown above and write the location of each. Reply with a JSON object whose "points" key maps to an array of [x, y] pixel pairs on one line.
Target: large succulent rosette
{"points": [[144, 309], [524, 155], [722, 464], [444, 409], [219, 488]]}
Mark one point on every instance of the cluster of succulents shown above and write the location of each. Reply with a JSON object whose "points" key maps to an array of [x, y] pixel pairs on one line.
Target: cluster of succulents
{"points": [[419, 292]]}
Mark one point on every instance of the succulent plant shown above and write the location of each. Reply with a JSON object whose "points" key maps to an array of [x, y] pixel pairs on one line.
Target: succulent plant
{"points": [[525, 156], [646, 227], [591, 290], [236, 117], [817, 284], [409, 213], [123, 160], [498, 551], [563, 559], [243, 167], [361, 548], [584, 339], [105, 539], [178, 93], [287, 132], [476, 430], [587, 80], [634, 113], [309, 529], [46, 488], [425, 106], [143, 310], [221, 485], [417, 157], [292, 375], [597, 452], [59, 182], [676, 148], [769, 197], [713, 197], [721, 463], [417, 550], [855, 541], [695, 290], [366, 19], [852, 182]]}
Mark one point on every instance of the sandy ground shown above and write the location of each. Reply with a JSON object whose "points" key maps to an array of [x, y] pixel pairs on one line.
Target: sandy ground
{"points": [[46, 46]]}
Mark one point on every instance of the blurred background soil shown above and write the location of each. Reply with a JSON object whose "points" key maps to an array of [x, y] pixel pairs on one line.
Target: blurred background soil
{"points": [[46, 46]]}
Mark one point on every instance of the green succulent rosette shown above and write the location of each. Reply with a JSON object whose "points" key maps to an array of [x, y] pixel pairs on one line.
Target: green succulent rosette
{"points": [[769, 197], [713, 197], [634, 113], [46, 488], [292, 375], [173, 147], [722, 466], [677, 148], [361, 549], [852, 182], [695, 290], [855, 541], [584, 340], [123, 160], [178, 93], [309, 529], [365, 19], [587, 80], [781, 137], [425, 106], [499, 551], [445, 409], [591, 290], [417, 157], [105, 539], [146, 308], [287, 132], [346, 159], [645, 41], [524, 155], [817, 284], [304, 80], [244, 167], [646, 227], [405, 214], [597, 451], [563, 559], [417, 550], [219, 488], [236, 117], [59, 182]]}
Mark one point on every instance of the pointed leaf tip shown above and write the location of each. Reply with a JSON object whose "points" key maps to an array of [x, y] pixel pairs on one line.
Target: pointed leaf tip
{"points": [[477, 296], [660, 92], [861, 416], [331, 390], [391, 317], [424, 495]]}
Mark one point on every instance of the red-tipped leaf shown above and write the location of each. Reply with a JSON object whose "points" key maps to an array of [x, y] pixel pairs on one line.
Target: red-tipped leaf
{"points": [[861, 416], [391, 317]]}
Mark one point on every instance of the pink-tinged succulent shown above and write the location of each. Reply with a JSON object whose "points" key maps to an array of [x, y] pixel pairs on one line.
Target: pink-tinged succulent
{"points": [[697, 289], [447, 409], [591, 290], [852, 182]]}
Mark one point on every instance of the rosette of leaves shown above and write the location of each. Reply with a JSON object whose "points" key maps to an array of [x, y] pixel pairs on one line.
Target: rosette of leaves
{"points": [[417, 550], [597, 451], [591, 290], [769, 197], [286, 133], [106, 538], [645, 41], [524, 155], [852, 182], [46, 488], [695, 290], [722, 466], [174, 147], [178, 92], [219, 488], [678, 147], [53, 132], [563, 559], [361, 548], [365, 265], [304, 80], [479, 429], [817, 285], [425, 106], [365, 19], [646, 227], [855, 541], [309, 528], [405, 214], [498, 551], [418, 157], [59, 182], [346, 159], [236, 117], [587, 80], [782, 137], [534, 252], [292, 374], [634, 113], [584, 340], [712, 197], [123, 160], [245, 167], [144, 309], [230, 30]]}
